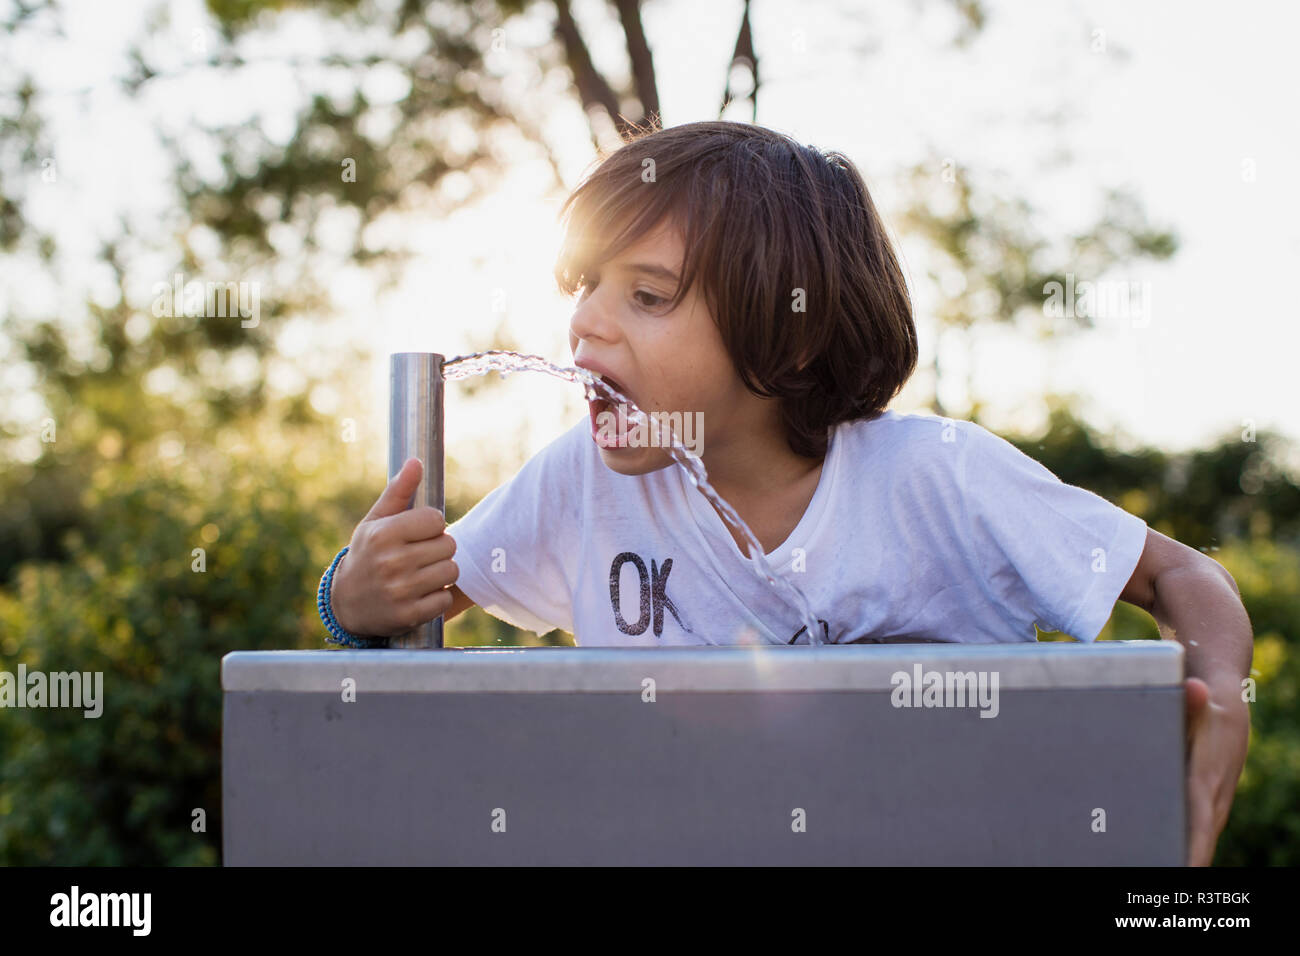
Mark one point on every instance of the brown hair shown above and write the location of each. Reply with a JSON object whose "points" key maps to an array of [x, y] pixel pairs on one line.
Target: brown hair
{"points": [[763, 217]]}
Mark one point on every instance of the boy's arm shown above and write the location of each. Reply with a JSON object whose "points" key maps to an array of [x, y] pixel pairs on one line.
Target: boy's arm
{"points": [[1195, 600]]}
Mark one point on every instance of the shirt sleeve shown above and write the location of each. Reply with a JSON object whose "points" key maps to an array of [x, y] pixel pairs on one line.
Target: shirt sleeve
{"points": [[516, 548], [1047, 551]]}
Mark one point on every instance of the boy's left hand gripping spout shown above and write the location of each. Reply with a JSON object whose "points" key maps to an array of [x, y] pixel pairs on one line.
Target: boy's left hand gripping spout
{"points": [[398, 571]]}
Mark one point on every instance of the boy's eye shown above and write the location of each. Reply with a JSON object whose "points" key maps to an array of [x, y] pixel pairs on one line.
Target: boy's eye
{"points": [[648, 299]]}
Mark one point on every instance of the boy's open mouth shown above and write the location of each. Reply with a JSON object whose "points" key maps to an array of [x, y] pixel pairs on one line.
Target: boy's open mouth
{"points": [[609, 420]]}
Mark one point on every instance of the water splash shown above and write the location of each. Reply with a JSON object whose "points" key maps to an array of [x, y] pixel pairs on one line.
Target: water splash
{"points": [[504, 362]]}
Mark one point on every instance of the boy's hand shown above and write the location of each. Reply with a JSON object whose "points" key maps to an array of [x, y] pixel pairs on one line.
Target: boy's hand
{"points": [[398, 568], [1218, 731], [1196, 602]]}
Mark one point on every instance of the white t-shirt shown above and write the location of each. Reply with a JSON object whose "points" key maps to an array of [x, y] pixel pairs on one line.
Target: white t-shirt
{"points": [[921, 529]]}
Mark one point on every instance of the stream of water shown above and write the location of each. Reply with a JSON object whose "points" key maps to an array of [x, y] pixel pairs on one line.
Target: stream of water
{"points": [[503, 362]]}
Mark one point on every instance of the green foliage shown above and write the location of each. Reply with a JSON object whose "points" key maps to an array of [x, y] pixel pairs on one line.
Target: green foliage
{"points": [[120, 789], [352, 159], [1004, 261], [1231, 490], [1265, 826]]}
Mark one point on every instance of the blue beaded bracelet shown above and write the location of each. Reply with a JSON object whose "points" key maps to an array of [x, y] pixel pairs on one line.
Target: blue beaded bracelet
{"points": [[336, 633]]}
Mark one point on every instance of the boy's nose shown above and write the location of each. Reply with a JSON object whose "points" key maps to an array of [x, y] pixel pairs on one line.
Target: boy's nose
{"points": [[591, 320]]}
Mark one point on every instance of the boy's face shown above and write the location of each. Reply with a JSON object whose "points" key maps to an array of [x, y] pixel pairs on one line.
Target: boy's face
{"points": [[664, 361]]}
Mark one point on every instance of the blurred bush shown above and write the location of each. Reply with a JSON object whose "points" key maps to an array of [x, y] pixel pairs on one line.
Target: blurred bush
{"points": [[168, 575]]}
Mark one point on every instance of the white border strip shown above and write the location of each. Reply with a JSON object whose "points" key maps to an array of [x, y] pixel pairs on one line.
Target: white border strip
{"points": [[1026, 666]]}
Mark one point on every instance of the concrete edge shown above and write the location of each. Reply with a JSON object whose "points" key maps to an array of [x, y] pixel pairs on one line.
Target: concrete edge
{"points": [[1134, 664]]}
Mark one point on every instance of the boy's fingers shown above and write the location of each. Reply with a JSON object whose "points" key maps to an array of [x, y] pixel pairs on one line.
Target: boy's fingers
{"points": [[420, 524], [421, 554], [1198, 695], [397, 496], [433, 605], [434, 578]]}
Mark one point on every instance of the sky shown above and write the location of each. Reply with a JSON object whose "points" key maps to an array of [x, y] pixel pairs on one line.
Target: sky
{"points": [[1191, 105]]}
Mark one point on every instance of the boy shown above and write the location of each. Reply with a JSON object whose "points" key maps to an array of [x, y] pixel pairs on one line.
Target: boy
{"points": [[729, 274]]}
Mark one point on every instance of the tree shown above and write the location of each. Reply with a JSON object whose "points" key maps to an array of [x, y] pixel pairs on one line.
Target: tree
{"points": [[992, 266]]}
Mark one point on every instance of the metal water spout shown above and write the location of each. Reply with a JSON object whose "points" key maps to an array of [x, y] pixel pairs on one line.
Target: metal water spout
{"points": [[415, 391]]}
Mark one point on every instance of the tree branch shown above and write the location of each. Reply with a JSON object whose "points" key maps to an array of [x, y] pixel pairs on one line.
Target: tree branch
{"points": [[744, 53], [593, 89], [638, 52]]}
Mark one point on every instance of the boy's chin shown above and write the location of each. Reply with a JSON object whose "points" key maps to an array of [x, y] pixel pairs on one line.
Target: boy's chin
{"points": [[634, 461]]}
